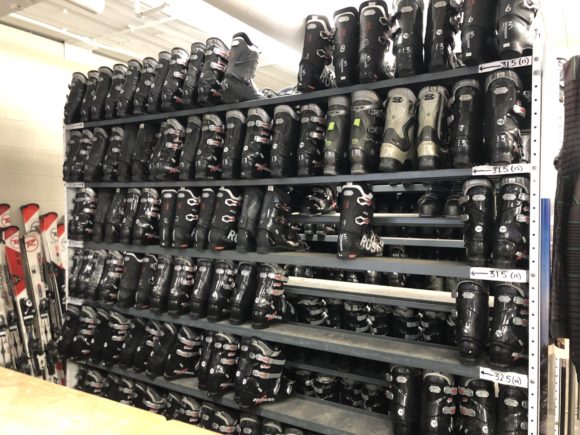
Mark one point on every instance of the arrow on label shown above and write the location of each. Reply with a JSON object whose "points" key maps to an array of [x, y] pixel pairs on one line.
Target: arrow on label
{"points": [[479, 273], [484, 373]]}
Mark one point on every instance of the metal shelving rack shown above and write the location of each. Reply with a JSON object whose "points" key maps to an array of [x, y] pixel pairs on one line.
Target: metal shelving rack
{"points": [[330, 418]]}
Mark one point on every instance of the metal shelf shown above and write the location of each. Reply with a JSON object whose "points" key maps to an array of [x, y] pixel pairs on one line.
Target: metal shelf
{"points": [[404, 241], [338, 373], [311, 414], [385, 219]]}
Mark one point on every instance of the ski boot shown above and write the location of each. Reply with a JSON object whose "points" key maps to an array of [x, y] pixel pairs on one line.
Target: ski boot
{"points": [[438, 403], [270, 304], [144, 86], [431, 203], [208, 160], [351, 393], [202, 285], [432, 133], [257, 144], [477, 216], [381, 317], [374, 399], [408, 38], [186, 217], [140, 392], [147, 218], [233, 143], [132, 77], [79, 159], [346, 46], [164, 164], [222, 365], [337, 135], [118, 327], [223, 232], [367, 120], [115, 216], [472, 309], [133, 338], [172, 404], [311, 141], [172, 89], [466, 127], [181, 285], [73, 148], [249, 216], [144, 143], [191, 81], [433, 326], [503, 110], [93, 170], [99, 335], [274, 230], [73, 278], [74, 99], [89, 95], [166, 217], [510, 247], [334, 309], [132, 265], [271, 427], [319, 200], [126, 153], [101, 91], [91, 273], [68, 331], [326, 388], [81, 223], [218, 303], [313, 72], [244, 293], [223, 421], [477, 30], [190, 143], [154, 401], [442, 25], [398, 150], [508, 336], [406, 323], [119, 73], [238, 84], [189, 411], [249, 425], [374, 41], [162, 345], [132, 200], [303, 382], [146, 282], [108, 290], [284, 140], [356, 317], [513, 26], [512, 411], [183, 358], [144, 349], [110, 387], [476, 407], [162, 282], [212, 72], [161, 70], [92, 383], [205, 360], [311, 311], [356, 236]]}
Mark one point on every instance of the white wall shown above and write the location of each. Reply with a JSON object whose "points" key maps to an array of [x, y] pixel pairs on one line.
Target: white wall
{"points": [[34, 77]]}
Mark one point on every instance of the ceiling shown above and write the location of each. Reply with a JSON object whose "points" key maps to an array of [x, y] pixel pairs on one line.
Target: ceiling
{"points": [[126, 29]]}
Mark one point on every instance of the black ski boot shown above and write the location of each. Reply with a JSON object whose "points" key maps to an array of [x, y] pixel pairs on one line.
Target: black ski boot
{"points": [[272, 427], [154, 401], [223, 232], [172, 90], [274, 231], [144, 349], [313, 72], [91, 273], [212, 73], [133, 338], [337, 136], [503, 110], [432, 202], [356, 236], [476, 407], [432, 132], [115, 217], [80, 347], [284, 142], [147, 218], [257, 144], [208, 160], [93, 170], [433, 326], [181, 285], [161, 70], [189, 411], [119, 73], [467, 128], [510, 245], [367, 120], [452, 207], [250, 425], [374, 399], [442, 25], [144, 144], [166, 217], [249, 217], [68, 331], [161, 348], [79, 159], [132, 265], [89, 94], [319, 200], [472, 307], [73, 148], [381, 317], [408, 38], [508, 336], [99, 335], [132, 200], [512, 410], [477, 216], [202, 285], [108, 291], [238, 84], [125, 101], [172, 404], [356, 317], [205, 360], [183, 358], [126, 153], [374, 41], [398, 151], [404, 394], [311, 311], [311, 141], [118, 327], [326, 388], [81, 223], [191, 81], [146, 79], [206, 207], [223, 364], [165, 158], [477, 32], [233, 143], [351, 393], [346, 46], [218, 302], [334, 313], [244, 293], [74, 99], [513, 25], [406, 323], [269, 305], [438, 403], [146, 282], [190, 144], [100, 94], [162, 282], [186, 217]]}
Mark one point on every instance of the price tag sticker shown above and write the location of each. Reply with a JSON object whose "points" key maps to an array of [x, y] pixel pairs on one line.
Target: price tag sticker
{"points": [[75, 301], [504, 378], [523, 168], [75, 184], [491, 274], [75, 244], [519, 62]]}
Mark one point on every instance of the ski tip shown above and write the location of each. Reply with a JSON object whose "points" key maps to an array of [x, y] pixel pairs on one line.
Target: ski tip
{"points": [[5, 220], [29, 213], [11, 236], [47, 220], [61, 229]]}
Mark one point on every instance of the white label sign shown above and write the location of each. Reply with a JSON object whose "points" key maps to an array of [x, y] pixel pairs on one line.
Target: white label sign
{"points": [[75, 301], [504, 378], [75, 244], [75, 184], [491, 274], [520, 62], [75, 126], [523, 168]]}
